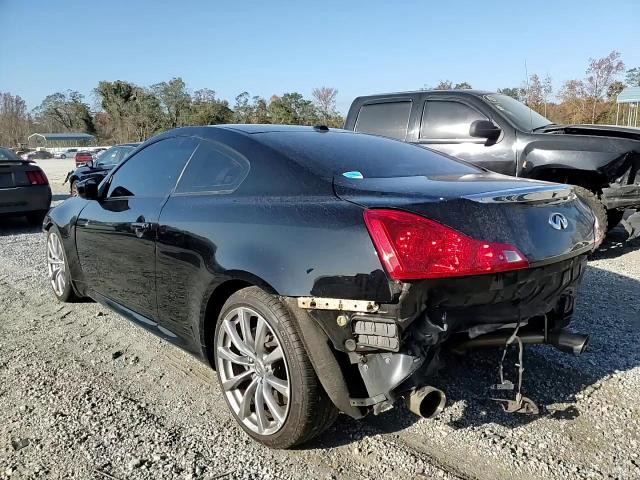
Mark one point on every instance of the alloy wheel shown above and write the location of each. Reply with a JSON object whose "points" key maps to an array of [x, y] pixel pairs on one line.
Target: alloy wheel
{"points": [[55, 263], [253, 371]]}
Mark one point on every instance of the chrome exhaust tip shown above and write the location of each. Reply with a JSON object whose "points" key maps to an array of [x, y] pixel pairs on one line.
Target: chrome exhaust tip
{"points": [[426, 402]]}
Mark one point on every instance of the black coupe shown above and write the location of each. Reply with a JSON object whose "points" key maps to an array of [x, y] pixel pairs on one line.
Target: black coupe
{"points": [[321, 270]]}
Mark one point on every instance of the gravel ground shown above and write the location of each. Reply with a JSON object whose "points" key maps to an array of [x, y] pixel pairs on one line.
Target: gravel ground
{"points": [[86, 394]]}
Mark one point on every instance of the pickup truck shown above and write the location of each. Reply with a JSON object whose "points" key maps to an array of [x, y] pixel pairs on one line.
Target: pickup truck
{"points": [[501, 134]]}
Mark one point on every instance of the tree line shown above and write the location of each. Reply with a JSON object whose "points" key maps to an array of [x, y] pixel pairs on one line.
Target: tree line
{"points": [[130, 112], [591, 99]]}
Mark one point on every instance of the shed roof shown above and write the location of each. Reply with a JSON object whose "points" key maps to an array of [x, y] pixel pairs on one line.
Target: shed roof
{"points": [[63, 136], [629, 95]]}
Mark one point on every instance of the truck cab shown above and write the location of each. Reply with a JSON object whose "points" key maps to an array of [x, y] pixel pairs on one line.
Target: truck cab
{"points": [[501, 134]]}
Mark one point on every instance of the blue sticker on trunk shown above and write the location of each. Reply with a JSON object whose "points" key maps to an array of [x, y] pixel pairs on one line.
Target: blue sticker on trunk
{"points": [[354, 174]]}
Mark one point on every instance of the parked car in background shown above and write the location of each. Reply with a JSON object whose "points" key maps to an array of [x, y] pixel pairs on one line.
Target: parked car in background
{"points": [[69, 153], [321, 270], [99, 167], [39, 155], [83, 157], [24, 188], [501, 134]]}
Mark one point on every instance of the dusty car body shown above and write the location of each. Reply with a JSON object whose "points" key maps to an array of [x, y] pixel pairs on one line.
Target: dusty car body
{"points": [[503, 135], [315, 275]]}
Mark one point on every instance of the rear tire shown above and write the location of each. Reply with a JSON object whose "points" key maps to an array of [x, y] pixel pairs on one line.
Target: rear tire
{"points": [[307, 411], [590, 198], [63, 156]]}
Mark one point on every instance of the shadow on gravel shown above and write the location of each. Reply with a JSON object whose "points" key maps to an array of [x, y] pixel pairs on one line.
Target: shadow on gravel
{"points": [[616, 244], [608, 306], [607, 309], [59, 197], [16, 226]]}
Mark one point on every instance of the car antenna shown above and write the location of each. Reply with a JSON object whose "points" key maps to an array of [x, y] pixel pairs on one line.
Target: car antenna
{"points": [[321, 128]]}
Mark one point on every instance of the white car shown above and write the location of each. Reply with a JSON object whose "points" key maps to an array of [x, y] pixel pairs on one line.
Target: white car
{"points": [[68, 153]]}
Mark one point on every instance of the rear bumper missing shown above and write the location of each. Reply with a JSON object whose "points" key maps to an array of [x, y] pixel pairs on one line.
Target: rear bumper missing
{"points": [[621, 196], [382, 351]]}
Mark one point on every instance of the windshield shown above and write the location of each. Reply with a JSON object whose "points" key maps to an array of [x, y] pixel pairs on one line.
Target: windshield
{"points": [[362, 156], [522, 116], [6, 154], [113, 156]]}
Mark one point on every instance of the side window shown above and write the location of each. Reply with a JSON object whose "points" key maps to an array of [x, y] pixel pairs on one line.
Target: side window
{"points": [[152, 172], [389, 119], [447, 120], [213, 168]]}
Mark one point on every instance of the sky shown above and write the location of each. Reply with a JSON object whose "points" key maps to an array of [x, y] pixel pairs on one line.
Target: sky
{"points": [[274, 47]]}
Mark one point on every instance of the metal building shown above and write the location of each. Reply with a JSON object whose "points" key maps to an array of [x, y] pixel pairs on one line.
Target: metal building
{"points": [[629, 98], [60, 140]]}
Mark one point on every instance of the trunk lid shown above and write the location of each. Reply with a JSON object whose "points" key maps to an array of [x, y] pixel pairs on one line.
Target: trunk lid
{"points": [[490, 207], [13, 173]]}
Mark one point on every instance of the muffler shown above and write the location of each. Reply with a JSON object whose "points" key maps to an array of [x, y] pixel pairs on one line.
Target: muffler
{"points": [[426, 402], [568, 342]]}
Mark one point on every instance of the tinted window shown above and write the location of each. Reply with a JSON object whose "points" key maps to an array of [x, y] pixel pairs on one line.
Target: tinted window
{"points": [[387, 119], [335, 153], [447, 120], [213, 168], [153, 171]]}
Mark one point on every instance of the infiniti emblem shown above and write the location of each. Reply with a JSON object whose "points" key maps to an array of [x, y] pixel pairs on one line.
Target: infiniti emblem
{"points": [[558, 221]]}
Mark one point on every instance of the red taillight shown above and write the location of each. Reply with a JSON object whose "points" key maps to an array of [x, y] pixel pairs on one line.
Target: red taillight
{"points": [[414, 247], [37, 177]]}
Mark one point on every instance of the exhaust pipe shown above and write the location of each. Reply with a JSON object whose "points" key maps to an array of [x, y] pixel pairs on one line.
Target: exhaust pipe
{"points": [[568, 342], [426, 402]]}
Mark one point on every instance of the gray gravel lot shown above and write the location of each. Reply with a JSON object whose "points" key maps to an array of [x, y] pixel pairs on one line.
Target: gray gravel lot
{"points": [[86, 394]]}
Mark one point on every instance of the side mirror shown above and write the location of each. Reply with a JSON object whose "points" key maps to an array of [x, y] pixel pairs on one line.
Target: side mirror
{"points": [[90, 164], [484, 129], [88, 189]]}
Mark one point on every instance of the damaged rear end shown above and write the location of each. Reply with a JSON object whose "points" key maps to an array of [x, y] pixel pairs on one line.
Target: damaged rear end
{"points": [[473, 260]]}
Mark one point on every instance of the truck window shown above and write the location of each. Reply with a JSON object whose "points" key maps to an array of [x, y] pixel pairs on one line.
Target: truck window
{"points": [[389, 119], [442, 120]]}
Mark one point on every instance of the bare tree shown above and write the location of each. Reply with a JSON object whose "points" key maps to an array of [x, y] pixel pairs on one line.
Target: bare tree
{"points": [[325, 100], [14, 120], [600, 74], [547, 90]]}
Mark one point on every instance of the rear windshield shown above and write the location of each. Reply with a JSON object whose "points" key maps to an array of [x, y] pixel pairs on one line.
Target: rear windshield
{"points": [[6, 154], [335, 153]]}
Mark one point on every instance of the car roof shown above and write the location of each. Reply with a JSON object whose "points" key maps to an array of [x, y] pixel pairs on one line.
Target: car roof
{"points": [[132, 144], [456, 91]]}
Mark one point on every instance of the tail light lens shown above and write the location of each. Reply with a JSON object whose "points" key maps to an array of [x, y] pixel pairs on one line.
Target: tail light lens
{"points": [[414, 247], [37, 177]]}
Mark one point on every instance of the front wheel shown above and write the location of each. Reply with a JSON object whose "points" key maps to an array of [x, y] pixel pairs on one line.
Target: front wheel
{"points": [[265, 374], [63, 156], [74, 188], [58, 268]]}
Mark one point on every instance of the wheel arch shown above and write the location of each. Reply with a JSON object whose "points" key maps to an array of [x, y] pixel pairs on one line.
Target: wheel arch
{"points": [[215, 298]]}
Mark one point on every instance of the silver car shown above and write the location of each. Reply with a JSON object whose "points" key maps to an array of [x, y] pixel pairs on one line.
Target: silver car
{"points": [[24, 188]]}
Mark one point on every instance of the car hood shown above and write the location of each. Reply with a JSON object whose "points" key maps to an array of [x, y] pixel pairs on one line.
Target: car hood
{"points": [[631, 133], [485, 206]]}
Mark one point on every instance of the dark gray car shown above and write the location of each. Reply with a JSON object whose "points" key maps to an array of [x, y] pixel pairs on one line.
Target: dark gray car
{"points": [[24, 188]]}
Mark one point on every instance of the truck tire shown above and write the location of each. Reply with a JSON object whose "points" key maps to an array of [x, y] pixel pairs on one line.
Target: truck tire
{"points": [[275, 396], [590, 198]]}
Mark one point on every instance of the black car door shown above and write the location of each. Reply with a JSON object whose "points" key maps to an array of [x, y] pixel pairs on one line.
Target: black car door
{"points": [[444, 126], [116, 235]]}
